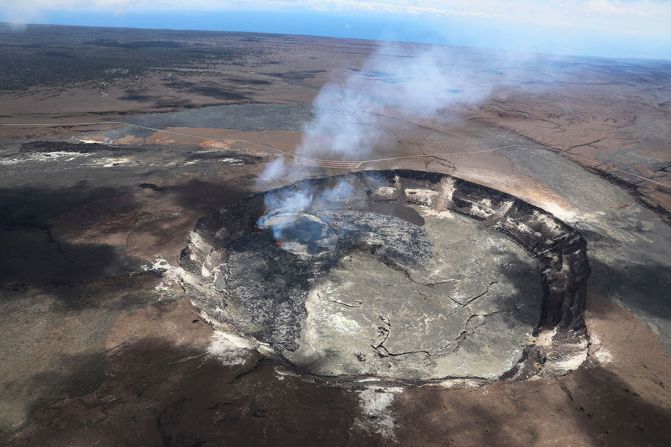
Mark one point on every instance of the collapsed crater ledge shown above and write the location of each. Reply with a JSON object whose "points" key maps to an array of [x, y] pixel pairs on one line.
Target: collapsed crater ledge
{"points": [[242, 279]]}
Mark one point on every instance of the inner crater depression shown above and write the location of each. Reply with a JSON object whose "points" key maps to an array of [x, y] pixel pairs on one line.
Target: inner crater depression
{"points": [[399, 275]]}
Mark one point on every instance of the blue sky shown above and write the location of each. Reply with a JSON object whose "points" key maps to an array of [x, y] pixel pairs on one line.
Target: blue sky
{"points": [[613, 28]]}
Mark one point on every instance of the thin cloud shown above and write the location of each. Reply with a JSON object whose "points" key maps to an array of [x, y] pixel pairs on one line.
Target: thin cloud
{"points": [[625, 17]]}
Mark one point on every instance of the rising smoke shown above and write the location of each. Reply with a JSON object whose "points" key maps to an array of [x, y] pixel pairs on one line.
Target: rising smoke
{"points": [[404, 81], [407, 82]]}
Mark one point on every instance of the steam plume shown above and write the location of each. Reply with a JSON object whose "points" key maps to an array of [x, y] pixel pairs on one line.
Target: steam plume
{"points": [[403, 80]]}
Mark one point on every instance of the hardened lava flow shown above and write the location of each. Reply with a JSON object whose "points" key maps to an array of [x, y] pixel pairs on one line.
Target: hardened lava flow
{"points": [[399, 276]]}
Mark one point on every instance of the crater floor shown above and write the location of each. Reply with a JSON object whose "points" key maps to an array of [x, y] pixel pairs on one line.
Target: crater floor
{"points": [[467, 312], [393, 275]]}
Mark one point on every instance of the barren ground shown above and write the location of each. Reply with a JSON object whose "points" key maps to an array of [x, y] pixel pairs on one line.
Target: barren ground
{"points": [[100, 345]]}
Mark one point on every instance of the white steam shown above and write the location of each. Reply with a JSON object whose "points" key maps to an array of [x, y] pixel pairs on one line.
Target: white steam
{"points": [[406, 82], [352, 116]]}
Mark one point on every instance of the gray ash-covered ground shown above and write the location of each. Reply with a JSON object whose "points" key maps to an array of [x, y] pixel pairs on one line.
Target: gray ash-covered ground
{"points": [[272, 283], [48, 156], [395, 274]]}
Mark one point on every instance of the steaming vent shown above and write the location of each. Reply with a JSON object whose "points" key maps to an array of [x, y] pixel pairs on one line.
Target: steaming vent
{"points": [[397, 276], [300, 233]]}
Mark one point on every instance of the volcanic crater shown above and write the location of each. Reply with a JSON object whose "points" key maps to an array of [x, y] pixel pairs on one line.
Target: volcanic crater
{"points": [[400, 276]]}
